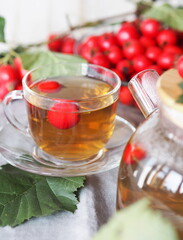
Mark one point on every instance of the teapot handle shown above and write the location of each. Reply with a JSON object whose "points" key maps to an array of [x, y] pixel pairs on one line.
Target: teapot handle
{"points": [[143, 88]]}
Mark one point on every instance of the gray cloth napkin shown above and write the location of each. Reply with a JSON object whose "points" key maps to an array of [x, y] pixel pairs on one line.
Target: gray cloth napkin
{"points": [[96, 206]]}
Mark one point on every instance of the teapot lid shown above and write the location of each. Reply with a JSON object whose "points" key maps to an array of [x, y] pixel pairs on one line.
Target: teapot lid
{"points": [[170, 89]]}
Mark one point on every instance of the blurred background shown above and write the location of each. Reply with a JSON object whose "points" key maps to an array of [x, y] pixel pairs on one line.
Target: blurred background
{"points": [[32, 21]]}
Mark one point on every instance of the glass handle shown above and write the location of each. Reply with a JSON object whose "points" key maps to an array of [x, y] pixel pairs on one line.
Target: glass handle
{"points": [[9, 100], [143, 89]]}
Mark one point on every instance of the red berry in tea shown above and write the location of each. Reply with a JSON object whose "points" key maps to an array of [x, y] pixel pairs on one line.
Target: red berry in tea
{"points": [[49, 86], [133, 153], [64, 115]]}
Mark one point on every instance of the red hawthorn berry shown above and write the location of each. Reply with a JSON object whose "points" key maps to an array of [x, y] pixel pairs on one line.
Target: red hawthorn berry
{"points": [[67, 46], [114, 54], [147, 41], [49, 86], [132, 49], [89, 52], [106, 41], [141, 63], [125, 67], [91, 41], [153, 53], [133, 153], [8, 76], [128, 24], [150, 27], [101, 60], [125, 96], [19, 87], [17, 63], [173, 49], [166, 37], [179, 66], [126, 33], [54, 42], [64, 114], [166, 60]]}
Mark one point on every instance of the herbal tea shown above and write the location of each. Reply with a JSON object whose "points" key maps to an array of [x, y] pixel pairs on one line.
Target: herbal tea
{"points": [[141, 175], [72, 128]]}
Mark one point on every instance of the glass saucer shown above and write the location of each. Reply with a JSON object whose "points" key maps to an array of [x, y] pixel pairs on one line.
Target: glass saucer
{"points": [[18, 150]]}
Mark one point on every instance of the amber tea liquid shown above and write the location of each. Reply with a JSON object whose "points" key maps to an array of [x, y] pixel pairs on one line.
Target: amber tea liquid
{"points": [[92, 131], [161, 184]]}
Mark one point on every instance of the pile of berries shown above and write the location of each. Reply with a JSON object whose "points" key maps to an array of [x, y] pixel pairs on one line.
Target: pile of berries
{"points": [[11, 77], [135, 46]]}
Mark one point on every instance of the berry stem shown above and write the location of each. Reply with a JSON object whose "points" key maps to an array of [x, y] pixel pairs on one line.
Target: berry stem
{"points": [[8, 57]]}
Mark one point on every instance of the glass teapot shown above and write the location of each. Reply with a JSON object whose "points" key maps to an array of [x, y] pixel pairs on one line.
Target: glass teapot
{"points": [[152, 162]]}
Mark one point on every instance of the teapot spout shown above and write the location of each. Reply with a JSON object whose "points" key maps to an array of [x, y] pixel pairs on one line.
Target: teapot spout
{"points": [[143, 88]]}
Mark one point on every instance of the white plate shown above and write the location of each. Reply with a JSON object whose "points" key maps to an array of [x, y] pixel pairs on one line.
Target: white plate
{"points": [[17, 149]]}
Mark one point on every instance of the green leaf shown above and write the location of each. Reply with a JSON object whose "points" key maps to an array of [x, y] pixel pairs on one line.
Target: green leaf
{"points": [[172, 17], [181, 85], [32, 60], [180, 99], [35, 59], [2, 25], [137, 222], [24, 195]]}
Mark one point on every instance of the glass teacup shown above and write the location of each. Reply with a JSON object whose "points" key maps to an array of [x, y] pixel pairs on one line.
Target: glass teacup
{"points": [[71, 109]]}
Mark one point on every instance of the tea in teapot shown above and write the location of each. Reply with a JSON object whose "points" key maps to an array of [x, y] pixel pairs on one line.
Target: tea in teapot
{"points": [[152, 162]]}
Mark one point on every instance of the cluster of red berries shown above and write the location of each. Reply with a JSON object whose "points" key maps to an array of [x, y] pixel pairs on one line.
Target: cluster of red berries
{"points": [[11, 77], [63, 44], [135, 46]]}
